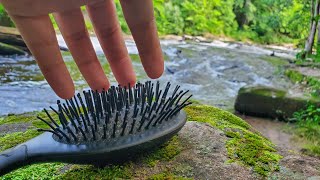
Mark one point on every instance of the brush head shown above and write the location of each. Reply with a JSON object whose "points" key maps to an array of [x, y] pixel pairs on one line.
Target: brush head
{"points": [[119, 112]]}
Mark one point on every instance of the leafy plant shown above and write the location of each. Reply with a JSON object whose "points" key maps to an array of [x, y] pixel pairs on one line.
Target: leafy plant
{"points": [[310, 115], [4, 18]]}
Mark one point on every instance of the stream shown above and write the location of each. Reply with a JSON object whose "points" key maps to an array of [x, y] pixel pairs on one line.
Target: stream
{"points": [[213, 72]]}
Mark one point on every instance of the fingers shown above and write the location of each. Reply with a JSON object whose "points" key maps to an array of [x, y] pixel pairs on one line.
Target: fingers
{"points": [[72, 27], [40, 38], [107, 29], [140, 18]]}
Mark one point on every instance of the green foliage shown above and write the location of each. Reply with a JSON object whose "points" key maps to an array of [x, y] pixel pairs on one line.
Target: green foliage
{"points": [[263, 21], [194, 17], [4, 18], [308, 127], [310, 115]]}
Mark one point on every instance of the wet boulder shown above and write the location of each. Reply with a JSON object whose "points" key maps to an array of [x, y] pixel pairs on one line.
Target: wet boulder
{"points": [[6, 49], [270, 102]]}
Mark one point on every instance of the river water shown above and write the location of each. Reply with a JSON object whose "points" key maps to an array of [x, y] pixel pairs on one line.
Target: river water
{"points": [[213, 72]]}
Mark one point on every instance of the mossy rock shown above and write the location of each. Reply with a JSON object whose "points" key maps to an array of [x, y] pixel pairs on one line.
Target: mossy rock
{"points": [[265, 101], [6, 49], [214, 143]]}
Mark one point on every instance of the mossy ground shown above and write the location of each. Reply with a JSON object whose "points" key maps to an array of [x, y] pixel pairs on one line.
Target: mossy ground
{"points": [[244, 146]]}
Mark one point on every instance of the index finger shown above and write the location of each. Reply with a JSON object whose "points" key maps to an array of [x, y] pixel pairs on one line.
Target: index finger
{"points": [[140, 18]]}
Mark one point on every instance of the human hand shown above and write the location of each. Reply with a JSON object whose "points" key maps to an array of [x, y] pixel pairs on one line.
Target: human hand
{"points": [[32, 20]]}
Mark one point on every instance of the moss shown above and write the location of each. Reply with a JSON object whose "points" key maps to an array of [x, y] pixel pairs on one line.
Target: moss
{"points": [[90, 172], [166, 176], [6, 49], [36, 171], [11, 140], [263, 91], [165, 153], [275, 61], [245, 145], [294, 76], [27, 118]]}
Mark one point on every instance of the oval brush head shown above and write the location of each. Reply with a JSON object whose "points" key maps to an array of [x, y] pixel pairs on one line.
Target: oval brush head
{"points": [[118, 112]]}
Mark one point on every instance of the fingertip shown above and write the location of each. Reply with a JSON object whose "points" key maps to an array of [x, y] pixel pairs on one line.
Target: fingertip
{"points": [[157, 73], [101, 85], [65, 92], [154, 65]]}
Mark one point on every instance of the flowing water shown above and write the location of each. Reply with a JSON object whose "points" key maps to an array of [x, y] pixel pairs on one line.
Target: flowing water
{"points": [[213, 72]]}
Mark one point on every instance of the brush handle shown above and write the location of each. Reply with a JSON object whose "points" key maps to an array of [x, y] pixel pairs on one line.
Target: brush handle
{"points": [[13, 158]]}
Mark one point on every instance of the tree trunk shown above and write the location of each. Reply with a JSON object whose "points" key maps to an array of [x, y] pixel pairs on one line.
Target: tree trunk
{"points": [[313, 28], [242, 14]]}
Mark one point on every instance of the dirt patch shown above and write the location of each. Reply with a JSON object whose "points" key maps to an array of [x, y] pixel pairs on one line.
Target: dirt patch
{"points": [[273, 130], [12, 128]]}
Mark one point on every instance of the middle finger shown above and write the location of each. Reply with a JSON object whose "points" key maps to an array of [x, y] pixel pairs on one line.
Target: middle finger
{"points": [[72, 27]]}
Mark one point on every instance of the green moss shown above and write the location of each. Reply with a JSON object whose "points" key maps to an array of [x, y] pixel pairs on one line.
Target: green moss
{"points": [[11, 140], [86, 172], [30, 117], [6, 49], [245, 145], [36, 171], [165, 153], [294, 76], [275, 61], [263, 91], [166, 176]]}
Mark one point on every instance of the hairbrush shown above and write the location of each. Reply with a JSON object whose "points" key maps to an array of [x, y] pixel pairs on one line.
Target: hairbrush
{"points": [[105, 127]]}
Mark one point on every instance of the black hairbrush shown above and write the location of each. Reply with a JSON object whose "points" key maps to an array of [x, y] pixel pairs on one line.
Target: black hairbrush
{"points": [[101, 128]]}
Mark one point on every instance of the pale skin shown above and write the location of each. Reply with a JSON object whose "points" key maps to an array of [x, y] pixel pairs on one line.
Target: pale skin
{"points": [[31, 17]]}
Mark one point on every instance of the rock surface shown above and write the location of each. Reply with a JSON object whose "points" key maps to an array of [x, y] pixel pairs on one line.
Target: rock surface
{"points": [[265, 101], [209, 146], [10, 38], [6, 49]]}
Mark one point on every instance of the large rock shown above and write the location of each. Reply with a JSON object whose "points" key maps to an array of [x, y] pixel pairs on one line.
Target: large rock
{"points": [[11, 36], [270, 102], [214, 144], [6, 49]]}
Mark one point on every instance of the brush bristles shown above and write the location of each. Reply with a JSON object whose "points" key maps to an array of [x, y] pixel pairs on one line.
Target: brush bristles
{"points": [[119, 111]]}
